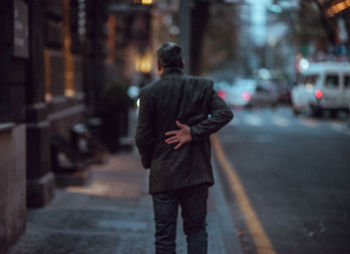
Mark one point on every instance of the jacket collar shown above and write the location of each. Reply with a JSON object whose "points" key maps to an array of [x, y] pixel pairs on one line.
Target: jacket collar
{"points": [[172, 71]]}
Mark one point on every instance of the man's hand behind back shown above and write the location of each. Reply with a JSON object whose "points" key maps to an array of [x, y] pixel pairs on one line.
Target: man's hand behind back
{"points": [[181, 136]]}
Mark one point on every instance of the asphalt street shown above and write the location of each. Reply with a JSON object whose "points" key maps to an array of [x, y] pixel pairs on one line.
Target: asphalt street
{"points": [[295, 174]]}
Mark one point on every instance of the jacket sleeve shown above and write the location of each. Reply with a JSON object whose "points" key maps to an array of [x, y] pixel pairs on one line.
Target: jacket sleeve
{"points": [[144, 131], [219, 115]]}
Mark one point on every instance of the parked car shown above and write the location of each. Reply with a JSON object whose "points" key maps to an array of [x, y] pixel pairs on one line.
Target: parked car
{"points": [[322, 86], [247, 93], [264, 94], [284, 94], [239, 93]]}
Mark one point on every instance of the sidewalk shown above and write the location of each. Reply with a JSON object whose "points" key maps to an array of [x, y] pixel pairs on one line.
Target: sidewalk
{"points": [[113, 215]]}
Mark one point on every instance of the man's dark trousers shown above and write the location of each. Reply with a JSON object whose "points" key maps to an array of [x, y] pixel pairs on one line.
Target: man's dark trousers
{"points": [[193, 203]]}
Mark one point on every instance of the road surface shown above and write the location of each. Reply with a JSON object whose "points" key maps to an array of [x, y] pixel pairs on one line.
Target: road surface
{"points": [[288, 181]]}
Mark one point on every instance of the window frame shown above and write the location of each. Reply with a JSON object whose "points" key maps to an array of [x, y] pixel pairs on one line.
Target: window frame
{"points": [[330, 74], [346, 77]]}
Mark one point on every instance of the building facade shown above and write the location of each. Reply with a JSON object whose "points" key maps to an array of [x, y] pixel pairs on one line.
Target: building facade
{"points": [[54, 64]]}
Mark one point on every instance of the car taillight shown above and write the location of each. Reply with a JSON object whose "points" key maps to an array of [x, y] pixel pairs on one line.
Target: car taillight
{"points": [[245, 96], [222, 94], [318, 94]]}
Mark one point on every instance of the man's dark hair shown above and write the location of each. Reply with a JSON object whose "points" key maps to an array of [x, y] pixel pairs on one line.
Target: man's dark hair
{"points": [[170, 55]]}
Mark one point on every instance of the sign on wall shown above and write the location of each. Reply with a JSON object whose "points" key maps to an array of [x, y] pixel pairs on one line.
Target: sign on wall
{"points": [[21, 29]]}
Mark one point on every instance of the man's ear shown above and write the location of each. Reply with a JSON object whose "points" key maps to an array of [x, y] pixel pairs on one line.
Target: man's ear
{"points": [[183, 63], [160, 68]]}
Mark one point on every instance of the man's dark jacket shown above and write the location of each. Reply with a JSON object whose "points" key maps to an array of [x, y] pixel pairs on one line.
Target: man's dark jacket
{"points": [[191, 101]]}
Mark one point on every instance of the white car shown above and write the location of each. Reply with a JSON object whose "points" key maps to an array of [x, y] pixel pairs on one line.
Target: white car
{"points": [[239, 94], [247, 93], [322, 86]]}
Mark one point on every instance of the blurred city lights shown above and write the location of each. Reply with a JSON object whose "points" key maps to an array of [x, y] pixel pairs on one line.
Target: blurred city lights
{"points": [[264, 73], [222, 94], [304, 64], [133, 92], [245, 96], [143, 63], [174, 30], [271, 41], [138, 103], [275, 8], [339, 7], [318, 94], [145, 2], [69, 90], [47, 73]]}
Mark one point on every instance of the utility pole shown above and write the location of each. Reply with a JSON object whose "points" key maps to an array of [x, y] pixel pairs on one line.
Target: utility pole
{"points": [[185, 31]]}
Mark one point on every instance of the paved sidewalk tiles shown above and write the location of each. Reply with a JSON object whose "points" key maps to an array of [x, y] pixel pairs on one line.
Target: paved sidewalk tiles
{"points": [[111, 215]]}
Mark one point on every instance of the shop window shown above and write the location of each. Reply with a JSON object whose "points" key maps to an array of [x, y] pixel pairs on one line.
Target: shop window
{"points": [[143, 62], [111, 43], [47, 73], [144, 2], [69, 90]]}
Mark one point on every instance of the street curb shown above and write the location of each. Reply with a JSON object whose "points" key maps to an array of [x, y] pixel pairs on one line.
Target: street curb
{"points": [[227, 226]]}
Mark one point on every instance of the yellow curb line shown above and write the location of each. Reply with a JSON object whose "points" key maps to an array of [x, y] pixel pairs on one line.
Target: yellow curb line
{"points": [[260, 238]]}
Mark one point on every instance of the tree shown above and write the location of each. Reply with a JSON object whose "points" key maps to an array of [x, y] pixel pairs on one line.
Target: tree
{"points": [[316, 25], [327, 24]]}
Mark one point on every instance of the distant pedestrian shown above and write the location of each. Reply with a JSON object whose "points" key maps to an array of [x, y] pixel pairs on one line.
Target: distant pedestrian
{"points": [[177, 114]]}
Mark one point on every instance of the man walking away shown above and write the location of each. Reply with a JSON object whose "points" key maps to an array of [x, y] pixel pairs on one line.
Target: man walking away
{"points": [[177, 114]]}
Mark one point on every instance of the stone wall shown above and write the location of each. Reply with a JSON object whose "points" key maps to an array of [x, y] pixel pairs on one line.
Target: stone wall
{"points": [[40, 180], [13, 64], [12, 185]]}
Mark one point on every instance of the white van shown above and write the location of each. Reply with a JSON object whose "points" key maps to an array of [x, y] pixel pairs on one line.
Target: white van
{"points": [[322, 86]]}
